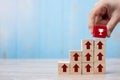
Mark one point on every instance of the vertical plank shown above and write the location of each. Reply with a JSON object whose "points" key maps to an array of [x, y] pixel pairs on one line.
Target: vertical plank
{"points": [[8, 29]]}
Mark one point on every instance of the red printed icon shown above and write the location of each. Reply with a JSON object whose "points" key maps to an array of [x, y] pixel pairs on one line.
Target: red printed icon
{"points": [[100, 45], [75, 68], [88, 68], [88, 45], [64, 68], [100, 56], [75, 57], [100, 31], [99, 68], [88, 56]]}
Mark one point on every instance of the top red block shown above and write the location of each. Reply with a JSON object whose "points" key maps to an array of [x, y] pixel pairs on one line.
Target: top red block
{"points": [[100, 31]]}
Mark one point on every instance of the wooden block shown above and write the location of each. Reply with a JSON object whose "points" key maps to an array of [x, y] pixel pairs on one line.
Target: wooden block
{"points": [[63, 67], [99, 56], [87, 56], [75, 68], [87, 45], [75, 56], [87, 68], [100, 50], [100, 45], [99, 68], [100, 31]]}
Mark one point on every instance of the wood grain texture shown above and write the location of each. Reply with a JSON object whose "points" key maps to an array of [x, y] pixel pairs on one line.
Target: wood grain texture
{"points": [[99, 68], [75, 56], [63, 67], [47, 70], [98, 43], [87, 68], [100, 56], [87, 43], [75, 68], [87, 56]]}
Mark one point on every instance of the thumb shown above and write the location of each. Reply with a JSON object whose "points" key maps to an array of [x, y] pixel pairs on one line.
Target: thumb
{"points": [[112, 23]]}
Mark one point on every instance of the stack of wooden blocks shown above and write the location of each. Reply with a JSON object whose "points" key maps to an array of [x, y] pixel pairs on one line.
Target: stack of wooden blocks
{"points": [[90, 60]]}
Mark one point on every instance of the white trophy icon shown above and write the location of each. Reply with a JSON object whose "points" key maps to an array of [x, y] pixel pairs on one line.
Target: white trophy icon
{"points": [[100, 30]]}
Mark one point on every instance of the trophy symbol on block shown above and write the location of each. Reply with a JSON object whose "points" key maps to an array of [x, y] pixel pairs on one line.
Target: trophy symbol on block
{"points": [[101, 31]]}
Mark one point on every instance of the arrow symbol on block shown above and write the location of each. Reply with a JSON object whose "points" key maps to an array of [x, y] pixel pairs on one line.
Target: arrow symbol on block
{"points": [[75, 57], [64, 68], [88, 56], [75, 68], [100, 56], [99, 68], [88, 68], [100, 45], [88, 45]]}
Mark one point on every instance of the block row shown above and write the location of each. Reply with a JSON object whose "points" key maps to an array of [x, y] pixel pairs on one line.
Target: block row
{"points": [[91, 45], [87, 56], [81, 68]]}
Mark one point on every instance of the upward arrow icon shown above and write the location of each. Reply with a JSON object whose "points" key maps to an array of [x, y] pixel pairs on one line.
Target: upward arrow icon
{"points": [[99, 45], [75, 68], [88, 45], [100, 56], [75, 57], [87, 68], [99, 68], [88, 56], [64, 68]]}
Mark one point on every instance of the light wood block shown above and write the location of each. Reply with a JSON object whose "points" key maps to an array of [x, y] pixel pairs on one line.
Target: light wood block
{"points": [[99, 68], [87, 56], [99, 56], [87, 68], [75, 56], [63, 67], [75, 68], [99, 50], [87, 45], [100, 45]]}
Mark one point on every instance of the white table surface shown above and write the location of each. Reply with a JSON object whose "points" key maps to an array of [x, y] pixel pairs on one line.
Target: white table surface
{"points": [[47, 70]]}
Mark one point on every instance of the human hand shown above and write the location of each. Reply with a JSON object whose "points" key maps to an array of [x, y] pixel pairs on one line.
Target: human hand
{"points": [[105, 12]]}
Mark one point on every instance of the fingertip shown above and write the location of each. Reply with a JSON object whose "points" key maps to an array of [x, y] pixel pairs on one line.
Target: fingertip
{"points": [[108, 33], [91, 30], [112, 23]]}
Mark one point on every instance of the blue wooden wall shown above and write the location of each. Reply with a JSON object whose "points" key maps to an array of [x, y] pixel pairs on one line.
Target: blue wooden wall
{"points": [[47, 28]]}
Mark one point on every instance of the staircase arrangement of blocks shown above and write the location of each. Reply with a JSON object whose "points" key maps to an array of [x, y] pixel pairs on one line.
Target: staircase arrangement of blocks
{"points": [[90, 60]]}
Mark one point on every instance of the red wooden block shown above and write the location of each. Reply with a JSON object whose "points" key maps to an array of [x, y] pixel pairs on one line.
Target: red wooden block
{"points": [[100, 31]]}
